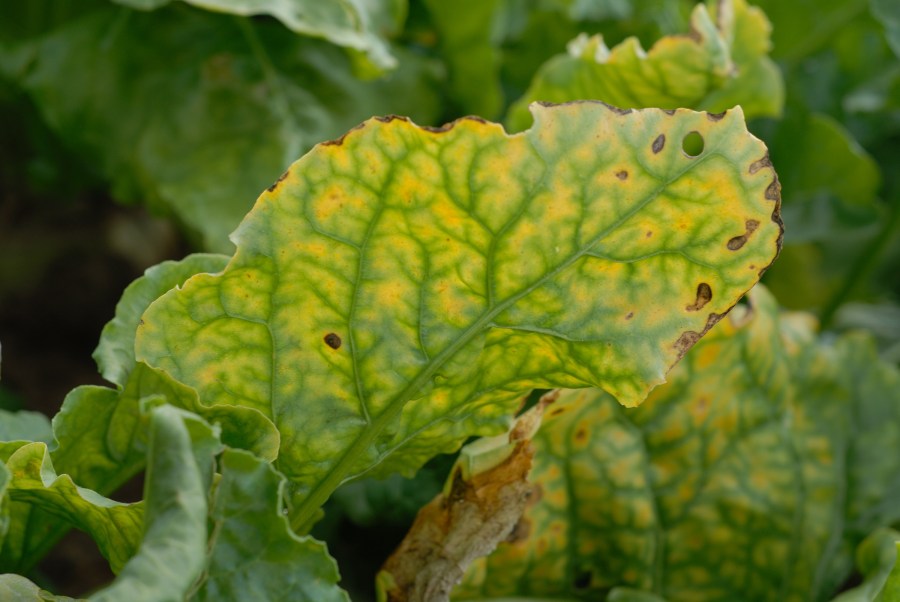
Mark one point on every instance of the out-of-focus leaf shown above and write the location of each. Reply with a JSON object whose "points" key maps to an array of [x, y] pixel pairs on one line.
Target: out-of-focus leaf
{"points": [[831, 200], [718, 65], [891, 590], [804, 26], [173, 549], [16, 588], [225, 104], [464, 34], [253, 554], [816, 156], [876, 557], [348, 23], [880, 319], [115, 527], [24, 426], [481, 504], [754, 473], [400, 288], [115, 353], [888, 12], [394, 500]]}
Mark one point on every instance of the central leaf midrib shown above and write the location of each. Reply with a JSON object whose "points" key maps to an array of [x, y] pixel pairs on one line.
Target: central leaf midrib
{"points": [[320, 492]]}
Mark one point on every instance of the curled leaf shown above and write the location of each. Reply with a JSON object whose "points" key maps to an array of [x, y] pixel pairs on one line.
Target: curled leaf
{"points": [[720, 63], [481, 505]]}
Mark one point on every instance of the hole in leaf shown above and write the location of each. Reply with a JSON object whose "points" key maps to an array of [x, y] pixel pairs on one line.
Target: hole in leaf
{"points": [[692, 145]]}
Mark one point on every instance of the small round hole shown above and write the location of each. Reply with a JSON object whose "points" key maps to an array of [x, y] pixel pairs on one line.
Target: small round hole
{"points": [[692, 145]]}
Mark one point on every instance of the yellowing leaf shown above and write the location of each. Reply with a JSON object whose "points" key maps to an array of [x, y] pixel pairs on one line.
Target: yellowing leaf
{"points": [[398, 289], [721, 63], [746, 477]]}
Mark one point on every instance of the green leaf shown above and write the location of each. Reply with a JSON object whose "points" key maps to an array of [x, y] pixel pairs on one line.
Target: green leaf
{"points": [[464, 32], [805, 26], [253, 554], [876, 558], [831, 197], [889, 14], [401, 287], [346, 23], [16, 588], [115, 527], [24, 426], [753, 473], [217, 126], [100, 442], [115, 353], [172, 552], [718, 65]]}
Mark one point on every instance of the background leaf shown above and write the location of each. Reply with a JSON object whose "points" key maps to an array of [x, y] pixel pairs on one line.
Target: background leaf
{"points": [[464, 32], [179, 473], [345, 23], [253, 554], [241, 101], [361, 341], [24, 426], [115, 353], [114, 526], [745, 473], [720, 64]]}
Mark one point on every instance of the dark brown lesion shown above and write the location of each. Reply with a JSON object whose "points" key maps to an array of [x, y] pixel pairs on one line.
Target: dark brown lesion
{"points": [[689, 337], [762, 163], [275, 184], [659, 143], [332, 340], [704, 296], [716, 116], [622, 174], [739, 241]]}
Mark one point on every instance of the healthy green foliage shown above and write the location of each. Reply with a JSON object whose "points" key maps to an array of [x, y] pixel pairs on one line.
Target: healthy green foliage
{"points": [[115, 353], [350, 24], [381, 289], [245, 97]]}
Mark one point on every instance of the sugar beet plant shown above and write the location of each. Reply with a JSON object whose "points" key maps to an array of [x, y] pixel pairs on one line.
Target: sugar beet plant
{"points": [[400, 290]]}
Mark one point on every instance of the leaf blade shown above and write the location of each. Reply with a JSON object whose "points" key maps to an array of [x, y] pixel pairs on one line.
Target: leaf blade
{"points": [[333, 299]]}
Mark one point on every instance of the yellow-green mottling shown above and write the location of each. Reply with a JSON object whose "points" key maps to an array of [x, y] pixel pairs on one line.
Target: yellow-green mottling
{"points": [[743, 478], [720, 63], [398, 289]]}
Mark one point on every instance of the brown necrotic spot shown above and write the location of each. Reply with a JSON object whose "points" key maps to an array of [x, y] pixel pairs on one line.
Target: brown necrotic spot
{"points": [[659, 143], [739, 241], [765, 161], [689, 337], [773, 190], [332, 340], [629, 315], [716, 116], [277, 182], [622, 175], [704, 295], [669, 111]]}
